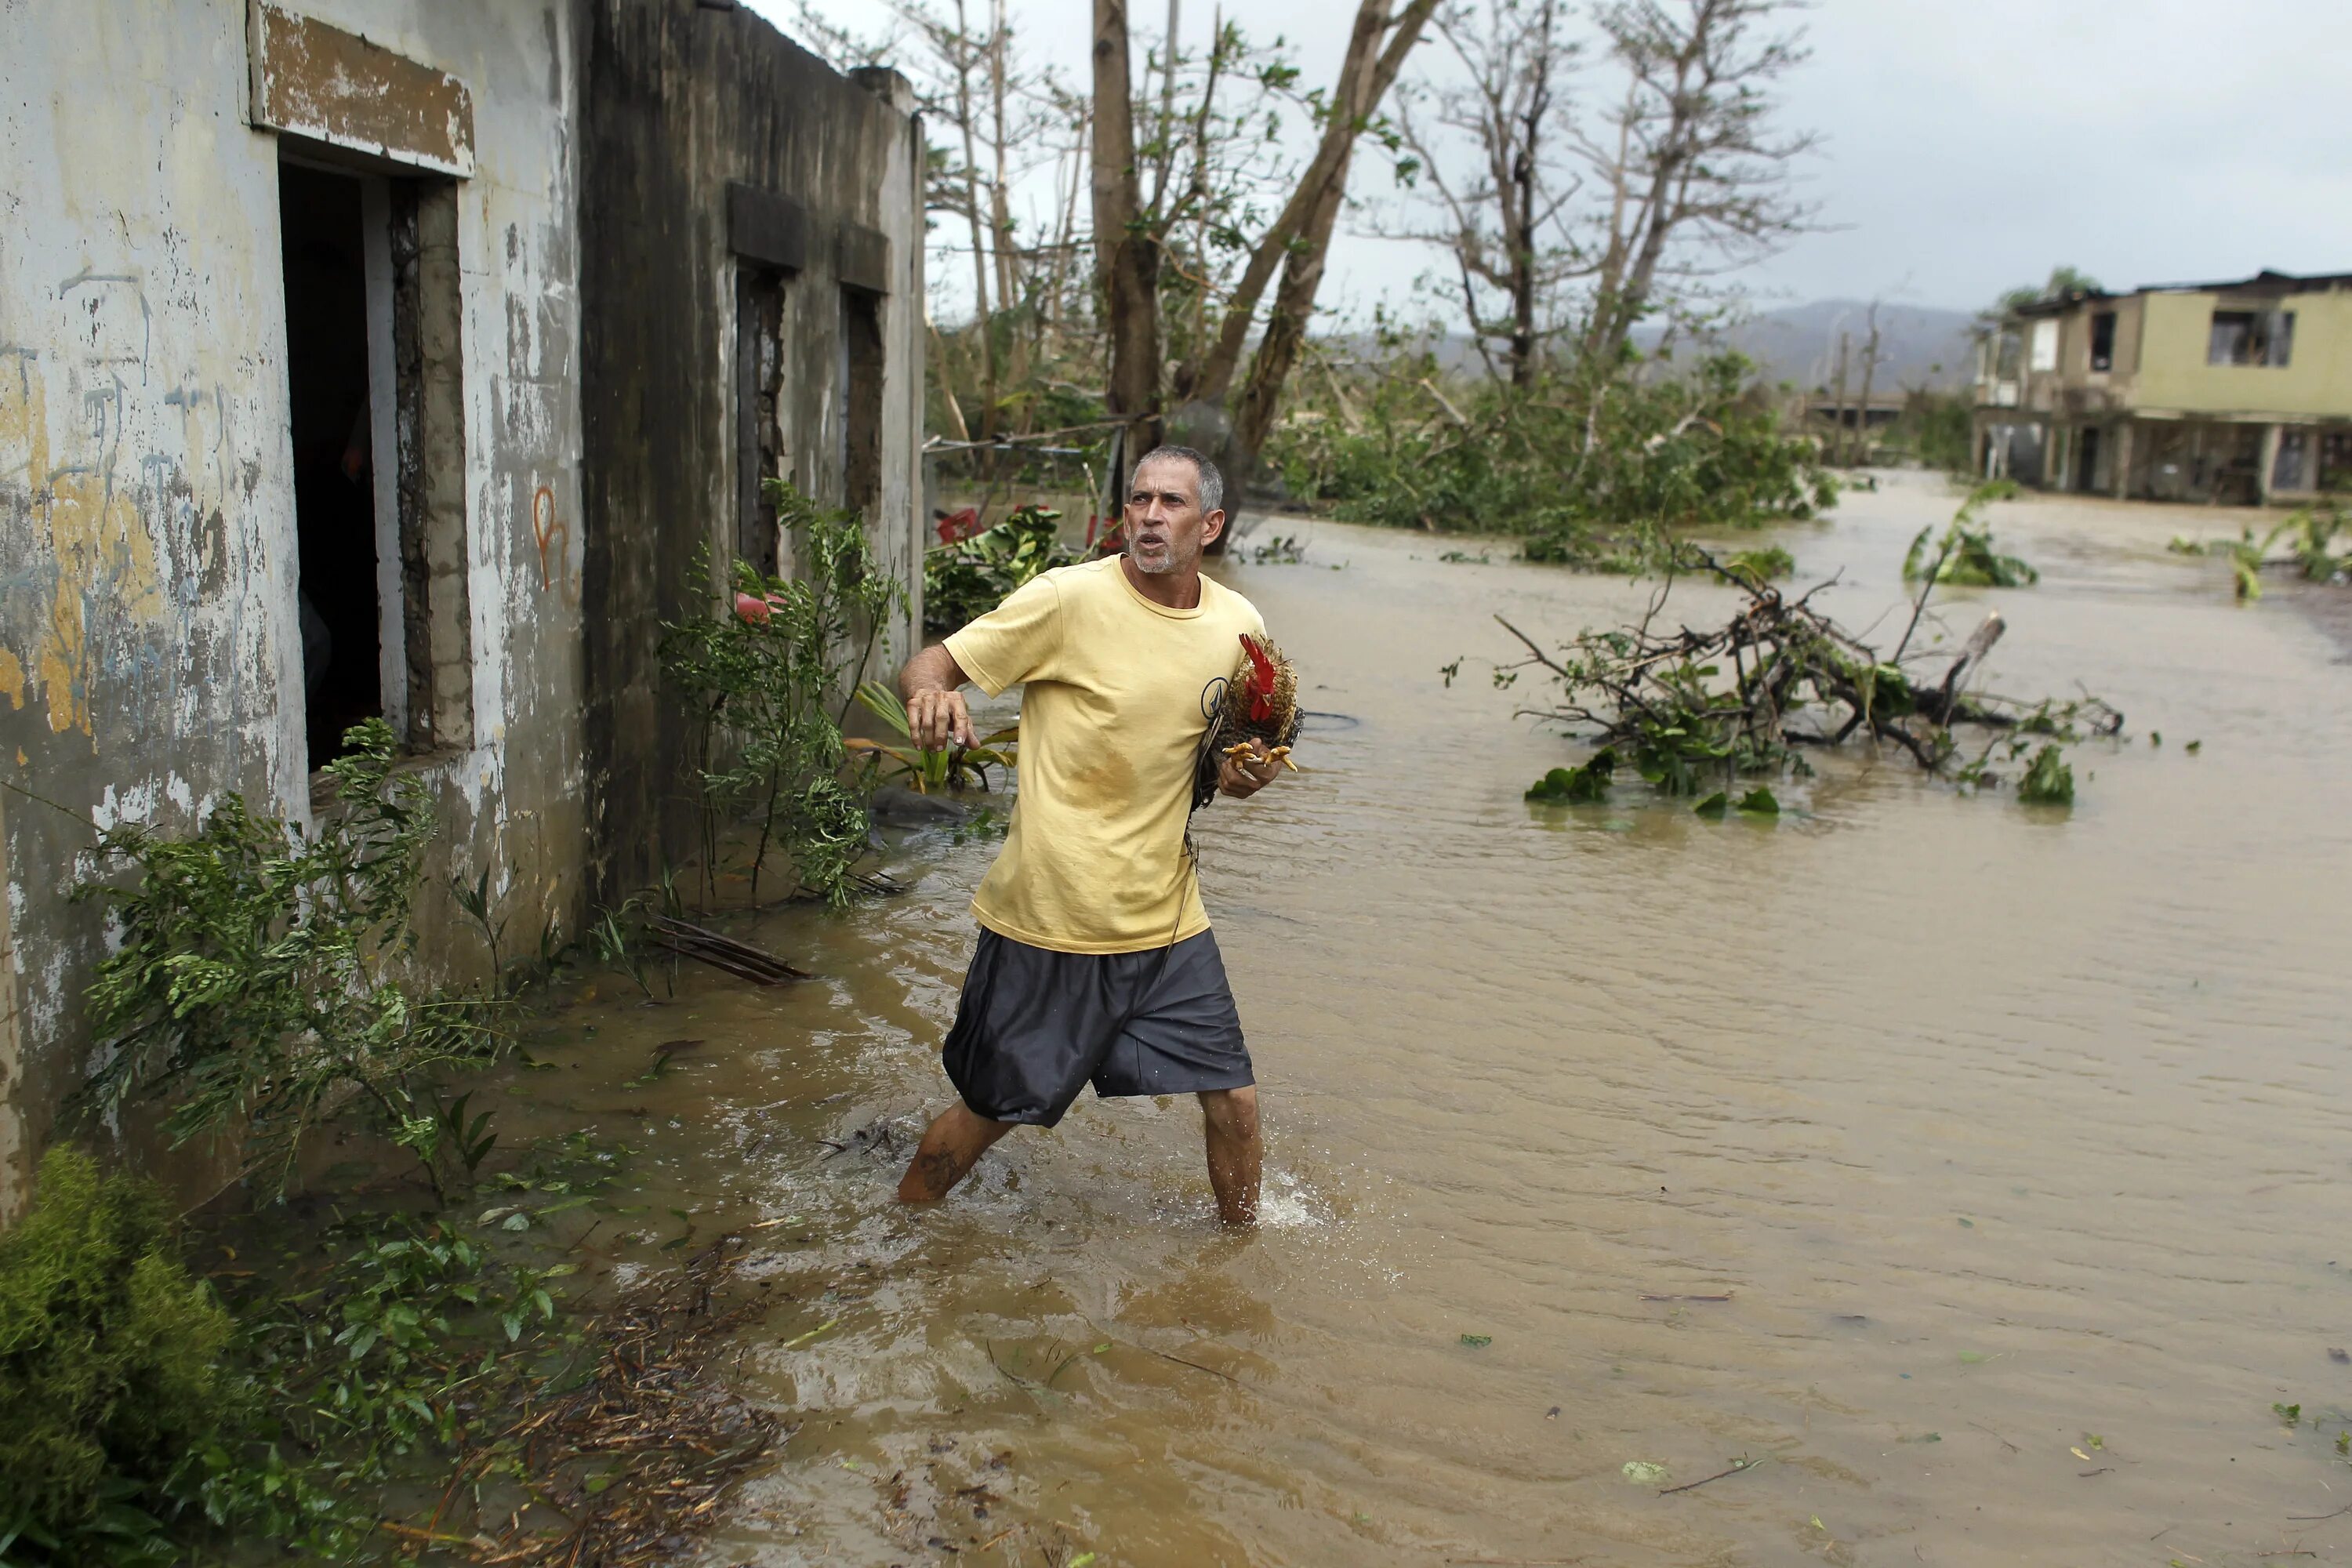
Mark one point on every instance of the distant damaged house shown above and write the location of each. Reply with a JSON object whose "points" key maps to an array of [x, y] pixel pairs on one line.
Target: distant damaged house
{"points": [[393, 358], [2228, 393]]}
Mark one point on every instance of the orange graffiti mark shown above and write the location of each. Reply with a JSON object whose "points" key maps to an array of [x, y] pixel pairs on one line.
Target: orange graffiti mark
{"points": [[545, 529]]}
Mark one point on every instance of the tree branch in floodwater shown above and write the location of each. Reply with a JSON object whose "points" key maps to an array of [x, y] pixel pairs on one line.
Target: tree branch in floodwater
{"points": [[1696, 710]]}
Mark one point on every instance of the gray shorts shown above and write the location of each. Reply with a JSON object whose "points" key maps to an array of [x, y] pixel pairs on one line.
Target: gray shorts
{"points": [[1035, 1026]]}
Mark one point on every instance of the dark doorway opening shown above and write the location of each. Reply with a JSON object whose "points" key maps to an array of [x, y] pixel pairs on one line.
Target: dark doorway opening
{"points": [[322, 218], [861, 400], [2086, 465]]}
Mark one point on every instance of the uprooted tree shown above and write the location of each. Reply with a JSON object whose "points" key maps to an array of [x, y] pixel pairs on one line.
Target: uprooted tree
{"points": [[1694, 711]]}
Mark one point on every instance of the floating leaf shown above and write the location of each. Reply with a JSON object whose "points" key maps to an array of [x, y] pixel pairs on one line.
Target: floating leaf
{"points": [[1641, 1472], [1478, 1342], [1759, 802], [1714, 804], [1970, 1358]]}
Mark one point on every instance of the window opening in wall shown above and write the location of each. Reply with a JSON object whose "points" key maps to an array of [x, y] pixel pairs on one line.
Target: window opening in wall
{"points": [[325, 260], [2251, 337], [759, 390], [860, 386], [2335, 461], [2045, 346], [2103, 339]]}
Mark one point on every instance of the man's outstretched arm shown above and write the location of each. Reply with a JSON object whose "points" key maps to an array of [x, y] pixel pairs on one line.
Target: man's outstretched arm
{"points": [[932, 684]]}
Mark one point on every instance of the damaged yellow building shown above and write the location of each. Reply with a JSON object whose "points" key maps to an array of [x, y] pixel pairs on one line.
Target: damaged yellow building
{"points": [[2222, 393]]}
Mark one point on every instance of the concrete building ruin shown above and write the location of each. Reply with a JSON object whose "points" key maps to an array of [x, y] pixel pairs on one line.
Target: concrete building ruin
{"points": [[391, 357], [2228, 392]]}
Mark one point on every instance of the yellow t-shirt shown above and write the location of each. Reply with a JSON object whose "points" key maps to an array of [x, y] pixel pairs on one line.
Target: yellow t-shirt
{"points": [[1110, 723]]}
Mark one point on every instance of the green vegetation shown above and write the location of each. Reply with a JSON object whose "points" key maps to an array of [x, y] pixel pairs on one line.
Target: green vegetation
{"points": [[926, 771], [1695, 711], [1966, 556], [1582, 786], [1588, 467], [966, 578], [2048, 780], [765, 675], [109, 1386], [254, 981], [2310, 536]]}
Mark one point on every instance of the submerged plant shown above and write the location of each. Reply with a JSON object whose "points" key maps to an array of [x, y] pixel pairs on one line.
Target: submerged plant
{"points": [[2048, 780], [1966, 556], [1578, 785]]}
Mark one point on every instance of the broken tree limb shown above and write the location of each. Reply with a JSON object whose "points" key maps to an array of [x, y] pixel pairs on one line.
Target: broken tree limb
{"points": [[707, 946], [1694, 709]]}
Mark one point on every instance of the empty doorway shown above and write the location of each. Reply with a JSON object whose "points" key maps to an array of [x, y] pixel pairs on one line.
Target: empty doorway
{"points": [[322, 222], [2086, 463]]}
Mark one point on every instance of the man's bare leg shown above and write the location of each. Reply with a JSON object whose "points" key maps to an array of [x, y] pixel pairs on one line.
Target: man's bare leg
{"points": [[951, 1145], [1229, 1120]]}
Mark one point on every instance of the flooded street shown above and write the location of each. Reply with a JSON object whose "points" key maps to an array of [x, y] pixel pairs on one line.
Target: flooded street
{"points": [[2016, 1139]]}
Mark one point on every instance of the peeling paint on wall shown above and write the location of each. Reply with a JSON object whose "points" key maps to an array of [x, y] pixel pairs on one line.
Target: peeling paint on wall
{"points": [[88, 566]]}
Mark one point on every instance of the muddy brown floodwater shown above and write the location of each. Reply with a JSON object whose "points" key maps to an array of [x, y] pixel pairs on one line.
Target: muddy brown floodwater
{"points": [[2017, 1140]]}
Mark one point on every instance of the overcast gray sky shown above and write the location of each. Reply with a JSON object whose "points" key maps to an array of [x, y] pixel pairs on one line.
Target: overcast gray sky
{"points": [[1968, 145]]}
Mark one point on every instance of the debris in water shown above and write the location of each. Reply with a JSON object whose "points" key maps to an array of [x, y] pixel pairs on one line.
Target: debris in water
{"points": [[681, 1439], [1478, 1342], [1737, 1465], [739, 959], [1641, 1472]]}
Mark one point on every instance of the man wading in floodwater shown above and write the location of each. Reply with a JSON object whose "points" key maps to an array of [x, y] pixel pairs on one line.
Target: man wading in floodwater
{"points": [[1096, 963]]}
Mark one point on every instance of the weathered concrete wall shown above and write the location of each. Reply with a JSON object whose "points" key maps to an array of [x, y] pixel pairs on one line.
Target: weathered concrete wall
{"points": [[149, 648], [682, 107]]}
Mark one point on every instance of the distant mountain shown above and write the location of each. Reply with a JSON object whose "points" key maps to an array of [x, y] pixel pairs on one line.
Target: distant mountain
{"points": [[1918, 345]]}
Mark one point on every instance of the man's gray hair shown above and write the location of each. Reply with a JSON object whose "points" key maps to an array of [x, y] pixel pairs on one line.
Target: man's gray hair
{"points": [[1213, 483]]}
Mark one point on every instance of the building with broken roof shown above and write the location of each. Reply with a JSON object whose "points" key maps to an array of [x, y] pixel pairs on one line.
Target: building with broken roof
{"points": [[2236, 393], [394, 358]]}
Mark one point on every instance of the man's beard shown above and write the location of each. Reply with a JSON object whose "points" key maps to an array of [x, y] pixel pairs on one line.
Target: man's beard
{"points": [[1165, 561]]}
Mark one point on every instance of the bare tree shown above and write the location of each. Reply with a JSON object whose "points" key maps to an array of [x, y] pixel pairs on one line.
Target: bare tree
{"points": [[1507, 220], [1694, 172], [1304, 255], [1127, 254]]}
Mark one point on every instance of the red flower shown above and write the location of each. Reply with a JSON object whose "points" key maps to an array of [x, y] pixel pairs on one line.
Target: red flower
{"points": [[755, 611]]}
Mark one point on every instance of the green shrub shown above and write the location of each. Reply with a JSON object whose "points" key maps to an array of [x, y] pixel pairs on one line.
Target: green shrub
{"points": [[966, 578], [773, 675], [255, 984], [108, 1379], [1578, 462]]}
